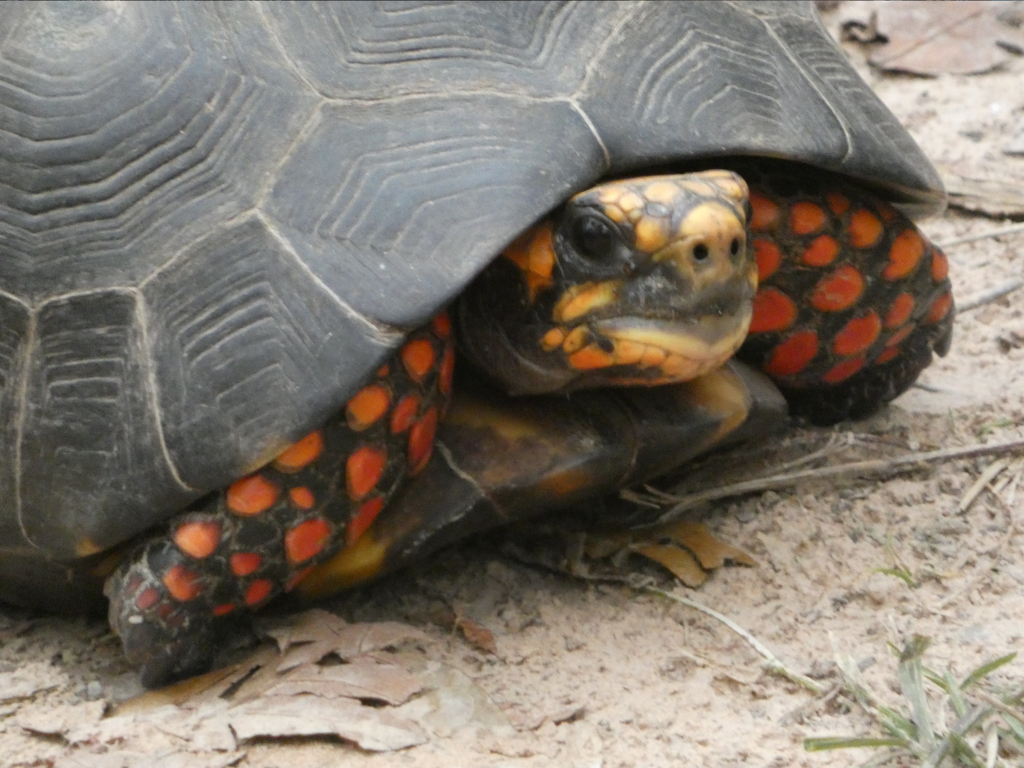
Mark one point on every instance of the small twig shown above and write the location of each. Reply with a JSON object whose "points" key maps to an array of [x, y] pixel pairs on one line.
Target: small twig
{"points": [[772, 661], [987, 297], [1011, 230], [981, 483], [871, 467]]}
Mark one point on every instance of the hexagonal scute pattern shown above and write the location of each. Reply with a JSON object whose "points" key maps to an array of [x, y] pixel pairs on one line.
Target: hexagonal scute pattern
{"points": [[215, 219]]}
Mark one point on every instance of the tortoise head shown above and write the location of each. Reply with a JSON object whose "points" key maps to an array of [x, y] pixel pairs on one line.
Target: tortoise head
{"points": [[640, 281]]}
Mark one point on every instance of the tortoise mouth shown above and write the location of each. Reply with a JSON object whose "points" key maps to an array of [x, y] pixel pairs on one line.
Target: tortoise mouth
{"points": [[710, 337], [643, 351]]}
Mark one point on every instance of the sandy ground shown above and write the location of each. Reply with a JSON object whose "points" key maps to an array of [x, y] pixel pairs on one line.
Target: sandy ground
{"points": [[595, 674]]}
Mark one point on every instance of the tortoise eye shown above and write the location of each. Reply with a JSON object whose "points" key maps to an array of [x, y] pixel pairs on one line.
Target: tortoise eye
{"points": [[595, 239]]}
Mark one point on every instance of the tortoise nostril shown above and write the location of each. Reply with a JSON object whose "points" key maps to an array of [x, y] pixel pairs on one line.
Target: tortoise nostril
{"points": [[701, 252], [734, 247]]}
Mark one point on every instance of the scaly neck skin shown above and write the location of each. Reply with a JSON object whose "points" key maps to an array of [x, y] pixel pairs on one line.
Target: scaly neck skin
{"points": [[644, 281]]}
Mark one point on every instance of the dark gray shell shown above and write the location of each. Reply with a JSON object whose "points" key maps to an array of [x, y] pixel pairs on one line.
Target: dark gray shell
{"points": [[215, 219]]}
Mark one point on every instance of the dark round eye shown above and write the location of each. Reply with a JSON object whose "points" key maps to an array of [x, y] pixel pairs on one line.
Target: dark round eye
{"points": [[734, 246], [701, 252], [595, 238]]}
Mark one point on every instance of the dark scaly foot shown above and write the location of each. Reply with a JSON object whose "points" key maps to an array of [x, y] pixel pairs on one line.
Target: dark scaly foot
{"points": [[236, 549], [852, 298]]}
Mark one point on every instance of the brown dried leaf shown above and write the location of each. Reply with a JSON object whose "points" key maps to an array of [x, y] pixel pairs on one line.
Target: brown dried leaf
{"points": [[479, 637], [196, 690], [362, 678], [60, 721], [682, 564], [316, 633], [928, 38], [26, 682], [983, 189], [279, 716], [710, 551], [137, 760], [287, 691]]}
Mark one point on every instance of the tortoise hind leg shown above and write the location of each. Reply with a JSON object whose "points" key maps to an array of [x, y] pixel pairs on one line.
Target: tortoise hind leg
{"points": [[236, 549], [852, 299]]}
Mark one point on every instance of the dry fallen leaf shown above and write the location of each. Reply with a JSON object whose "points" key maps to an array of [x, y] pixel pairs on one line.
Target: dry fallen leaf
{"points": [[363, 678], [124, 759], [683, 565], [371, 728], [983, 188], [688, 550], [927, 38], [27, 681], [479, 637], [322, 677], [313, 683]]}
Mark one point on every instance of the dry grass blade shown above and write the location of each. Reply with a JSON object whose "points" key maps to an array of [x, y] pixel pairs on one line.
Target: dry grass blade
{"points": [[992, 294], [772, 662], [1011, 230], [872, 467]]}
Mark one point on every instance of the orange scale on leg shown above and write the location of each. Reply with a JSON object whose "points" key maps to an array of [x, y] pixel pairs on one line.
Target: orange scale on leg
{"points": [[418, 359], [446, 371], [900, 311], [244, 563], [442, 324], [367, 513], [300, 454], [857, 335], [773, 311], [183, 584], [806, 218], [887, 212], [293, 582], [367, 406], [223, 609], [939, 308], [764, 212], [252, 495], [363, 470], [838, 203], [844, 370], [198, 538], [899, 336], [821, 252], [768, 258], [383, 371], [302, 497], [865, 229], [793, 354], [257, 592], [147, 599], [839, 290], [887, 355], [904, 255], [421, 440], [940, 266], [405, 413], [306, 540]]}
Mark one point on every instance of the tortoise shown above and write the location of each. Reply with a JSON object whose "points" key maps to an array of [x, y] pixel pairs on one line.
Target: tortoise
{"points": [[220, 225]]}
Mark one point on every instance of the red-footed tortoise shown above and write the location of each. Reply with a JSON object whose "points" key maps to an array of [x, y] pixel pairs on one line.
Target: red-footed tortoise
{"points": [[220, 224]]}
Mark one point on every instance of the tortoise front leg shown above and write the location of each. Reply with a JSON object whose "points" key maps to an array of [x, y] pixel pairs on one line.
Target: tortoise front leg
{"points": [[238, 548]]}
